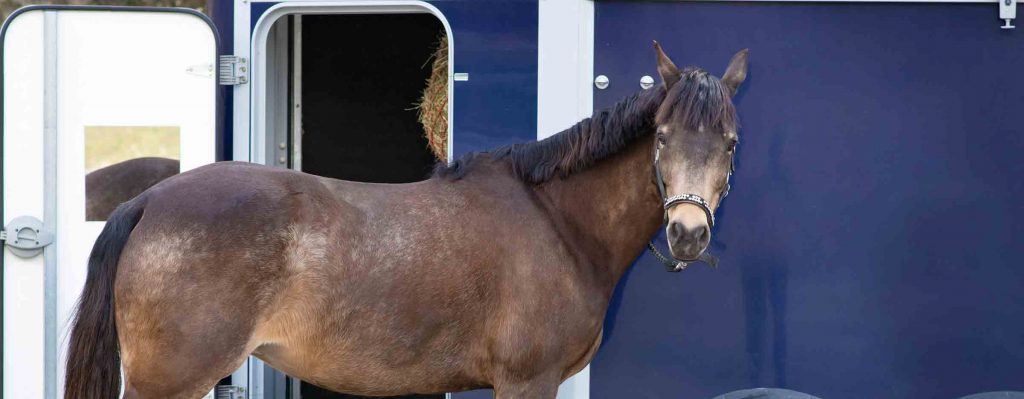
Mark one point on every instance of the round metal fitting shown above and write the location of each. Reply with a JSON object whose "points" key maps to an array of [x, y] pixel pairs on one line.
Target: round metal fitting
{"points": [[646, 82], [601, 82]]}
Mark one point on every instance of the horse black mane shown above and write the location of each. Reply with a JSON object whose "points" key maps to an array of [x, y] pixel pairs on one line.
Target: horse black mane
{"points": [[702, 100]]}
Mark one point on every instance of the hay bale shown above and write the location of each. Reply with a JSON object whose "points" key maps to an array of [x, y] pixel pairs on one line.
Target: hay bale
{"points": [[433, 105]]}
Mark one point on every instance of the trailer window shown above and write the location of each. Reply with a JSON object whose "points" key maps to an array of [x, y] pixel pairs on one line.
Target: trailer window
{"points": [[123, 161]]}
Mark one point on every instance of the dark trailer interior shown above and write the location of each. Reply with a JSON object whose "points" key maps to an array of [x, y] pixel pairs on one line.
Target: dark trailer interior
{"points": [[359, 120]]}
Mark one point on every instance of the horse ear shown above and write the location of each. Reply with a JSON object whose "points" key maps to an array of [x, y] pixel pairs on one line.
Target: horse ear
{"points": [[666, 68], [736, 73]]}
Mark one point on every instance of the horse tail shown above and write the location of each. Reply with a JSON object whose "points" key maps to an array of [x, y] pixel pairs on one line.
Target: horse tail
{"points": [[94, 360]]}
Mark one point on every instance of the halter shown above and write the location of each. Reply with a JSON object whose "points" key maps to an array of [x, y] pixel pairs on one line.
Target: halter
{"points": [[673, 265]]}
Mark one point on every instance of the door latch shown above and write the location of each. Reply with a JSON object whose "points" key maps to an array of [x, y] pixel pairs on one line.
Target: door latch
{"points": [[25, 236]]}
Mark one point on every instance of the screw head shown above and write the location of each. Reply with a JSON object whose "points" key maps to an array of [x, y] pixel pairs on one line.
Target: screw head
{"points": [[601, 82]]}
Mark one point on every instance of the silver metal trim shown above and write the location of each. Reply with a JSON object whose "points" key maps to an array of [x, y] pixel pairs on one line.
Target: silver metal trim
{"points": [[296, 105], [296, 391], [50, 125], [277, 99], [257, 370]]}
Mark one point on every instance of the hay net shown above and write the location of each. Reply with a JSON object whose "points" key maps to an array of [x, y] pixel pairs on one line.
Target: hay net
{"points": [[433, 104]]}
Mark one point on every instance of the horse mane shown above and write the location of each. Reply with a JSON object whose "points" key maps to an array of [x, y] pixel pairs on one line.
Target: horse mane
{"points": [[704, 100]]}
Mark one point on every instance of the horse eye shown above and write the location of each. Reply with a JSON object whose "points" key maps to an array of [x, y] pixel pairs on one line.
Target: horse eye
{"points": [[732, 147], [661, 138]]}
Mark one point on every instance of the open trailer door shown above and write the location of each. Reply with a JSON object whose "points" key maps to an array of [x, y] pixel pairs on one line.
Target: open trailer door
{"points": [[98, 103]]}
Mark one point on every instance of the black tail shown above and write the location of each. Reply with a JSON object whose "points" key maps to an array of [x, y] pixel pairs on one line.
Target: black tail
{"points": [[94, 360]]}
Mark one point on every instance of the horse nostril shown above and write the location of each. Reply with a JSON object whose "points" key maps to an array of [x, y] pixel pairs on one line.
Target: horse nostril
{"points": [[675, 229], [703, 234]]}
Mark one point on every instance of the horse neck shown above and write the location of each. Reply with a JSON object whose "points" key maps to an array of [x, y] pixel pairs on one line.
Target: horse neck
{"points": [[610, 210]]}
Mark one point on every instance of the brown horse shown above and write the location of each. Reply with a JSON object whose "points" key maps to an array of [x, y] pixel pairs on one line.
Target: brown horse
{"points": [[496, 272], [108, 187]]}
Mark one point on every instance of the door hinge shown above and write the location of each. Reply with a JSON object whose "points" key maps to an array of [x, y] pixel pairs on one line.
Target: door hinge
{"points": [[233, 70], [230, 392], [25, 236], [1007, 12]]}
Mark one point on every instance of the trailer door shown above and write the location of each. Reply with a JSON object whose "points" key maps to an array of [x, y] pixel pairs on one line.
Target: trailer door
{"points": [[95, 100]]}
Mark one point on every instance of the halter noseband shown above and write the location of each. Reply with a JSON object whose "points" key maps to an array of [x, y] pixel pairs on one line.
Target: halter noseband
{"points": [[671, 264]]}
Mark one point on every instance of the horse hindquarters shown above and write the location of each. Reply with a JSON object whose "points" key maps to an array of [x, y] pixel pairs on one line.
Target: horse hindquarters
{"points": [[105, 335], [185, 318]]}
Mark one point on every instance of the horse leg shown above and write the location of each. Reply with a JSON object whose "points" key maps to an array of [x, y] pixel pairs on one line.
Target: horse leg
{"points": [[180, 347], [533, 389], [177, 368]]}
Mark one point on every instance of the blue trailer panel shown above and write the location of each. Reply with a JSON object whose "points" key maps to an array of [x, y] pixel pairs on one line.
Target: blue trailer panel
{"points": [[869, 248]]}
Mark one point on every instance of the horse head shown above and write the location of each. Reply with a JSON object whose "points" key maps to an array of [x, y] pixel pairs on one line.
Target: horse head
{"points": [[696, 130]]}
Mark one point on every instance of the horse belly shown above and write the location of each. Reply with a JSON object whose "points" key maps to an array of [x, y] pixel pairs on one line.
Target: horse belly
{"points": [[365, 353], [364, 375]]}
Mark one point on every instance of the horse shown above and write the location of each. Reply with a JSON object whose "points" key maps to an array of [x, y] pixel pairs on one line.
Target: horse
{"points": [[109, 186], [495, 272]]}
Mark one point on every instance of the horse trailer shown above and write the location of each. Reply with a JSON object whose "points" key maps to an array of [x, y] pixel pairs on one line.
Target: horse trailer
{"points": [[869, 248]]}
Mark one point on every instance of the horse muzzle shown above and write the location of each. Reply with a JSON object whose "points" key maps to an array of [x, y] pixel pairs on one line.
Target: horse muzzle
{"points": [[688, 241]]}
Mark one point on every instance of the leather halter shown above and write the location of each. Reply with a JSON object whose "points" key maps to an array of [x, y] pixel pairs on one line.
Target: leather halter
{"points": [[671, 264]]}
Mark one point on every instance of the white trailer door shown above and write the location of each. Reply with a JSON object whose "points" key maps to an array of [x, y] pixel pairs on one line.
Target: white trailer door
{"points": [[87, 91]]}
